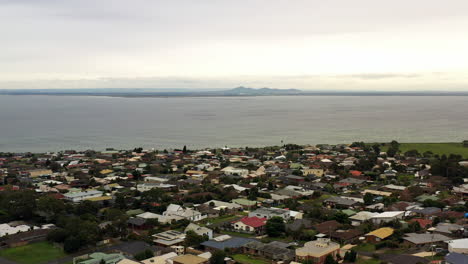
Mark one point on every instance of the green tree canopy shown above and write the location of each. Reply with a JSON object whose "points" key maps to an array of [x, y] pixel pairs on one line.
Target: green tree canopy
{"points": [[275, 226]]}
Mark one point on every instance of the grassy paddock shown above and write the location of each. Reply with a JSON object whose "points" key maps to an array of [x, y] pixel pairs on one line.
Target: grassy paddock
{"points": [[436, 148], [35, 253]]}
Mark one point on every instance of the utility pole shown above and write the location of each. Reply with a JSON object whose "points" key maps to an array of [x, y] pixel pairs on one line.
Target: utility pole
{"points": [[432, 246]]}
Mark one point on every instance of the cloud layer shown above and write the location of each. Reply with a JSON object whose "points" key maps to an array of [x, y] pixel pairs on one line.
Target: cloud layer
{"points": [[362, 44]]}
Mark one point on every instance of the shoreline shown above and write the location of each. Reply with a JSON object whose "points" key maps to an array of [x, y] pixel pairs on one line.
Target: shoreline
{"points": [[405, 146]]}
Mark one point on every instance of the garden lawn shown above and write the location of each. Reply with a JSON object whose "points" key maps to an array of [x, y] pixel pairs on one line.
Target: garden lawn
{"points": [[365, 247], [244, 259], [35, 253], [222, 219]]}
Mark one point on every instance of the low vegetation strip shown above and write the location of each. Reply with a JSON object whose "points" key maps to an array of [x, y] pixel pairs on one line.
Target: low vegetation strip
{"points": [[436, 148]]}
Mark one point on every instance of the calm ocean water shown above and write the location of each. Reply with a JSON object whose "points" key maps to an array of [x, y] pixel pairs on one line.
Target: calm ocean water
{"points": [[51, 123]]}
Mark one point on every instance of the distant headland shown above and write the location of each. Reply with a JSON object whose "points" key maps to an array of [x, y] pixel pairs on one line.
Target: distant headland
{"points": [[238, 91]]}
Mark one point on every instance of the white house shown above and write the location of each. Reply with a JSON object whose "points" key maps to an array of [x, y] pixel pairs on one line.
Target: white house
{"points": [[268, 213], [199, 230], [221, 204], [187, 213], [143, 187], [458, 245], [80, 196], [232, 171], [361, 217], [6, 229], [386, 217]]}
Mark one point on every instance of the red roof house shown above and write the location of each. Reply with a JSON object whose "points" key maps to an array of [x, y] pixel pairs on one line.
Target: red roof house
{"points": [[355, 173], [424, 223], [250, 224]]}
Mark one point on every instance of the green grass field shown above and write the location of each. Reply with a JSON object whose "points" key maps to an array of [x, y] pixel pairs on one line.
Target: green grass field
{"points": [[35, 253], [365, 247], [367, 261], [237, 234], [244, 259], [436, 148], [221, 219]]}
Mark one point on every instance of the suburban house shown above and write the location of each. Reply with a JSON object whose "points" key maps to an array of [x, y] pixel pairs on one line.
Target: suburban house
{"points": [[317, 251], [189, 259], [447, 229], [235, 172], [80, 196], [234, 244], [199, 230], [421, 240], [458, 246], [160, 259], [6, 229], [294, 191], [143, 187], [275, 250], [361, 217], [316, 172], [346, 236], [456, 258], [164, 219], [187, 213], [99, 257], [169, 238], [386, 217], [327, 226], [340, 202], [379, 234], [245, 203], [250, 224], [270, 212], [220, 205]]}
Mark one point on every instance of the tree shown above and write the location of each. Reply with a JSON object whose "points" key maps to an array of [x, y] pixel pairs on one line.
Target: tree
{"points": [[218, 257], [368, 199], [50, 207], [86, 207], [275, 226], [184, 150], [194, 239], [253, 194], [72, 244], [376, 148], [19, 204], [297, 172], [57, 235], [136, 175], [330, 260], [350, 256], [144, 255], [120, 201]]}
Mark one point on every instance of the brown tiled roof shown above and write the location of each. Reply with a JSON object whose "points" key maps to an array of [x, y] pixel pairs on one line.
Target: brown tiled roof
{"points": [[327, 226]]}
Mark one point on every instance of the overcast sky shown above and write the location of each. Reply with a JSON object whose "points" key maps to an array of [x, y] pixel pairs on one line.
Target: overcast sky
{"points": [[305, 44]]}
